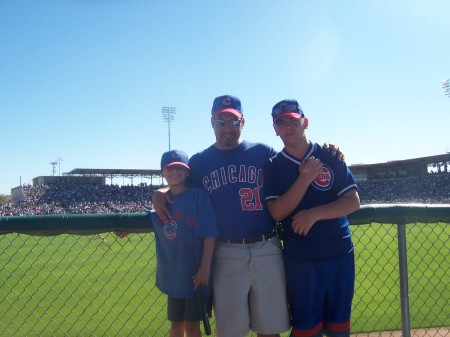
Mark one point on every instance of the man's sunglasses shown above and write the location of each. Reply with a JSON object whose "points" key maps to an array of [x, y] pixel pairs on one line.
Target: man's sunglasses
{"points": [[222, 122]]}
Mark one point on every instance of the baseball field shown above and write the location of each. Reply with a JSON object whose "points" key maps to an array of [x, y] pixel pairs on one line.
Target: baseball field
{"points": [[71, 285]]}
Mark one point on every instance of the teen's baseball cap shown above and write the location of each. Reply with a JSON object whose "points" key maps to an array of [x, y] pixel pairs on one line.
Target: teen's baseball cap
{"points": [[287, 107], [174, 157], [227, 103]]}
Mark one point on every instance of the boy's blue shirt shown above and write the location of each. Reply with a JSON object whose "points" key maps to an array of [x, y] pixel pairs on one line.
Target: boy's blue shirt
{"points": [[181, 241]]}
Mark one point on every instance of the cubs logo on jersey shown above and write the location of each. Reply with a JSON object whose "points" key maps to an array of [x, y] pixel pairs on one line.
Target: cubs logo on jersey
{"points": [[325, 179], [170, 230]]}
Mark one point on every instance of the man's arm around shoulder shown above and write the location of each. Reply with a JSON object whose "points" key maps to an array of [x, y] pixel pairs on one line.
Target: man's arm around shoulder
{"points": [[160, 198]]}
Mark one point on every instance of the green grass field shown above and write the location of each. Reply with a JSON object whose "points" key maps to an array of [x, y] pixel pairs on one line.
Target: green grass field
{"points": [[377, 296], [84, 286]]}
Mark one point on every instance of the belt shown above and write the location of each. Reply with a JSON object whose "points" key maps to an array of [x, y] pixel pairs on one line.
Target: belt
{"points": [[259, 238]]}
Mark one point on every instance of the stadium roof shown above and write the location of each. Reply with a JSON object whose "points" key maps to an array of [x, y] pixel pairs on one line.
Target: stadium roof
{"points": [[441, 158], [416, 165], [399, 168], [115, 172]]}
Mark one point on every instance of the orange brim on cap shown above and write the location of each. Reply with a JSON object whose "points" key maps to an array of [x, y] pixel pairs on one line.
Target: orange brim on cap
{"points": [[290, 114], [177, 163], [231, 111]]}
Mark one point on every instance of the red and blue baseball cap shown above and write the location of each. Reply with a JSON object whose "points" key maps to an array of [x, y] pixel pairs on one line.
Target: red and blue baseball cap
{"points": [[174, 157], [287, 107], [227, 103]]}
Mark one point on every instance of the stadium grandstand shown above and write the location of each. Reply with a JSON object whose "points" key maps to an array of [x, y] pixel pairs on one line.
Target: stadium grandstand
{"points": [[85, 191]]}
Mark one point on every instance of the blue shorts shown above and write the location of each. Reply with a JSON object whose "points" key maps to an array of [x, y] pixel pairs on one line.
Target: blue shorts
{"points": [[320, 295]]}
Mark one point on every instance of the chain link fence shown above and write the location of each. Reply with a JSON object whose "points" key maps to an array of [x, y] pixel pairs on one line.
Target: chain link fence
{"points": [[85, 281]]}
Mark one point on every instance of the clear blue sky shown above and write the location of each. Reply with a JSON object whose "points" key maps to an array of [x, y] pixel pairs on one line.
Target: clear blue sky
{"points": [[85, 80]]}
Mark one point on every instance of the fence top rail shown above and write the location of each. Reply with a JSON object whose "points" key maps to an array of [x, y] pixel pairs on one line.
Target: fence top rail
{"points": [[87, 224], [80, 224], [400, 214]]}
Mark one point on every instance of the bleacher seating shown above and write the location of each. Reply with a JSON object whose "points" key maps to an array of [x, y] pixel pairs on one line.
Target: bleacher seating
{"points": [[80, 199]]}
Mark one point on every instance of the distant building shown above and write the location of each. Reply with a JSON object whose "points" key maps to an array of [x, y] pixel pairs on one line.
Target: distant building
{"points": [[17, 194], [402, 168]]}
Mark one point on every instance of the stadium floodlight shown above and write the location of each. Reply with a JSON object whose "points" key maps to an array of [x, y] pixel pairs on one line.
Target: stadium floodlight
{"points": [[53, 163], [168, 113], [446, 86]]}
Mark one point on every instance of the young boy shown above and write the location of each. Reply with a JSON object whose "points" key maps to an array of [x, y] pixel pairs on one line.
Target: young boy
{"points": [[184, 247], [310, 192]]}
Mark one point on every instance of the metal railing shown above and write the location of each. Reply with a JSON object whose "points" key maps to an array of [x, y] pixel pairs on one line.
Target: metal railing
{"points": [[71, 276]]}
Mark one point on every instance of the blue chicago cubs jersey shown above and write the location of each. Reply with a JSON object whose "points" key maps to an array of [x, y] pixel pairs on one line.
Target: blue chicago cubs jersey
{"points": [[327, 238], [182, 240], [234, 181]]}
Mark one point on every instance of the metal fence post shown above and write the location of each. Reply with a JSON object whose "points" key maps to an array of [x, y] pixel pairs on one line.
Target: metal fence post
{"points": [[403, 269]]}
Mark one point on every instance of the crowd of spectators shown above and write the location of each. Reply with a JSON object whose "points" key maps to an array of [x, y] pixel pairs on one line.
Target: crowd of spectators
{"points": [[91, 199], [429, 189], [80, 199]]}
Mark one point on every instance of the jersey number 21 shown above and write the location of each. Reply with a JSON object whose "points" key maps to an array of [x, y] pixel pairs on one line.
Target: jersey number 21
{"points": [[250, 199]]}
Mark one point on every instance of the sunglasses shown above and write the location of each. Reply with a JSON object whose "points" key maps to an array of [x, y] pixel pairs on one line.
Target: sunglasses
{"points": [[285, 108], [293, 122], [222, 122]]}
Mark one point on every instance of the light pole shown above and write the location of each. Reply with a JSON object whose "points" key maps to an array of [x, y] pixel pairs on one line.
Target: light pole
{"points": [[168, 113], [59, 160], [446, 86]]}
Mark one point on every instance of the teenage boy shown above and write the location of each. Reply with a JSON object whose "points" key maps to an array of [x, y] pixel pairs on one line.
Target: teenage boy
{"points": [[310, 192]]}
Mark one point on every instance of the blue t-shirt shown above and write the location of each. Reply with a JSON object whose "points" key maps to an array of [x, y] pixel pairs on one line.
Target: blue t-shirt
{"points": [[234, 180], [181, 241], [327, 238]]}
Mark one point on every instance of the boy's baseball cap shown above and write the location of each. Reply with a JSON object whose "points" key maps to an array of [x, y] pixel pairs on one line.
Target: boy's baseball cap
{"points": [[174, 157], [287, 107], [227, 103]]}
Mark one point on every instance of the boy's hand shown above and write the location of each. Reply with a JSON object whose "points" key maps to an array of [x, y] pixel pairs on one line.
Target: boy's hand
{"points": [[201, 278], [335, 151], [121, 234], [310, 168], [159, 201]]}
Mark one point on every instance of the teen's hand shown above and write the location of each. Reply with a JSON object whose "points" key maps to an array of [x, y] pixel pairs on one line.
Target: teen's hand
{"points": [[310, 168], [303, 221]]}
